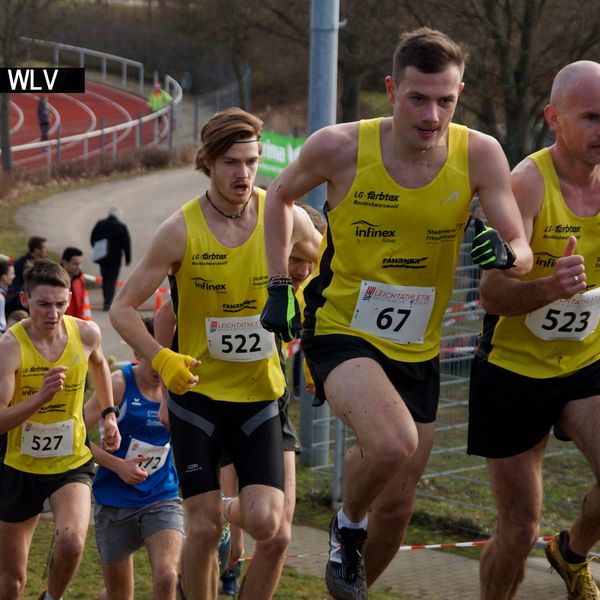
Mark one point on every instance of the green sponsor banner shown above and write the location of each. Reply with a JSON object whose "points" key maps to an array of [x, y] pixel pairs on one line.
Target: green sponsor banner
{"points": [[278, 151]]}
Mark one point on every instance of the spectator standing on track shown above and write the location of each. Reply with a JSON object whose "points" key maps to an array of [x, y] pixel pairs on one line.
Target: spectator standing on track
{"points": [[213, 249], [110, 242], [136, 488], [43, 114], [44, 454], [158, 98], [398, 198], [72, 261], [537, 365]]}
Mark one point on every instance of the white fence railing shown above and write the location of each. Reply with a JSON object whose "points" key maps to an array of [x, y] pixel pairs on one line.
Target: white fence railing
{"points": [[102, 141]]}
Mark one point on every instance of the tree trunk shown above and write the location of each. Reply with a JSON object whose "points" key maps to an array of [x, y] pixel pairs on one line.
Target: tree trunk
{"points": [[5, 132]]}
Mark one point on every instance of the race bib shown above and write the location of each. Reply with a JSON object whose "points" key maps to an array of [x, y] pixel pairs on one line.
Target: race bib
{"points": [[157, 455], [239, 339], [44, 440], [566, 319], [394, 312]]}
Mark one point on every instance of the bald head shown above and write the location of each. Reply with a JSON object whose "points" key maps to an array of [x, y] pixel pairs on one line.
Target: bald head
{"points": [[572, 77]]}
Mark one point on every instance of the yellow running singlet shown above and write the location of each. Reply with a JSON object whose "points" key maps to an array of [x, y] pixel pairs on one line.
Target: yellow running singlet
{"points": [[53, 439], [563, 336], [218, 295], [387, 263]]}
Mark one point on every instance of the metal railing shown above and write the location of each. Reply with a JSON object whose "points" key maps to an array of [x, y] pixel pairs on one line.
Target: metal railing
{"points": [[150, 129]]}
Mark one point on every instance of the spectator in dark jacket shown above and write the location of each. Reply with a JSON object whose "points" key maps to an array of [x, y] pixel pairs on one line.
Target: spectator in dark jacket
{"points": [[38, 248], [43, 112], [117, 244]]}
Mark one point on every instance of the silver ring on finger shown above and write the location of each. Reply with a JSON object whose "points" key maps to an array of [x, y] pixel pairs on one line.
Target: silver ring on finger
{"points": [[576, 278]]}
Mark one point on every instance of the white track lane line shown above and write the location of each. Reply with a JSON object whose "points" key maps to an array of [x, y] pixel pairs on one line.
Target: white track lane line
{"points": [[126, 114], [20, 117], [91, 126]]}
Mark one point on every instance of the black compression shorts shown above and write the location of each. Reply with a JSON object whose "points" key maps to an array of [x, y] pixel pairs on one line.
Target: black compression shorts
{"points": [[201, 429], [510, 413], [417, 383]]}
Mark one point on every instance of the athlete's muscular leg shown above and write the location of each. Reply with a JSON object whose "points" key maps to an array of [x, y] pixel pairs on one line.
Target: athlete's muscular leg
{"points": [[261, 509], [164, 550], [264, 570], [580, 419], [15, 540], [199, 566], [390, 512], [517, 486], [71, 506], [360, 394], [118, 579]]}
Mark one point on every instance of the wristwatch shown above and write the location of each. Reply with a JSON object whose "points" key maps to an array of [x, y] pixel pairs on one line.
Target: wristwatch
{"points": [[110, 409]]}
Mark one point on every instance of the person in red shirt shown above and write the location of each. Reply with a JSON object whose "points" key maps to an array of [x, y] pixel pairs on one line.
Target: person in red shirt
{"points": [[72, 261]]}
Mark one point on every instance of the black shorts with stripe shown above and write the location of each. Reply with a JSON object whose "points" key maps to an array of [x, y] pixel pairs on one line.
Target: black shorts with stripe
{"points": [[202, 429]]}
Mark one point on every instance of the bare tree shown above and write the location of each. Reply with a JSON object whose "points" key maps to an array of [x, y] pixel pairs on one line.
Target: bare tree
{"points": [[16, 17], [516, 48]]}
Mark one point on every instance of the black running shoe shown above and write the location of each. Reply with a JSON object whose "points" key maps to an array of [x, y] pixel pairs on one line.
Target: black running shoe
{"points": [[345, 571]]}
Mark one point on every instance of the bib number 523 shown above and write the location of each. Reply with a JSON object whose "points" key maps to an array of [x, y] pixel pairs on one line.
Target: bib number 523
{"points": [[567, 322]]}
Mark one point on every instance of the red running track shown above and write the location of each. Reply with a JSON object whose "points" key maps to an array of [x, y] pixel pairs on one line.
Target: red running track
{"points": [[72, 114]]}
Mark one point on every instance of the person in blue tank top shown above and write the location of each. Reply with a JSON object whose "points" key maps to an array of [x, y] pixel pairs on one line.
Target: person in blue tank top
{"points": [[136, 489]]}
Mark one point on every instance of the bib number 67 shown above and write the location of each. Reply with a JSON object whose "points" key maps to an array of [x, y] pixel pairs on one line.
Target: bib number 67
{"points": [[386, 318]]}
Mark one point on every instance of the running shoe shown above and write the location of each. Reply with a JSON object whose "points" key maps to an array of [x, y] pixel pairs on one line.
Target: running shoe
{"points": [[224, 549], [230, 580], [577, 576], [345, 571]]}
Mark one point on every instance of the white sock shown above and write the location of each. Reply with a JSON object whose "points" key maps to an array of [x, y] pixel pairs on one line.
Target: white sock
{"points": [[49, 597], [344, 521]]}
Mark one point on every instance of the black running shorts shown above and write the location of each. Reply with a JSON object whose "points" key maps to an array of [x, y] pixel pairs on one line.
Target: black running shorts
{"points": [[22, 494], [510, 413], [417, 383], [201, 429], [291, 442]]}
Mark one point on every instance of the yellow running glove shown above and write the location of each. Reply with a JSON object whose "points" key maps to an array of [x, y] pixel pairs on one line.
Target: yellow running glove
{"points": [[174, 369]]}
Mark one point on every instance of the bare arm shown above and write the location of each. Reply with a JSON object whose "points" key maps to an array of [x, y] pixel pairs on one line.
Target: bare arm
{"points": [[100, 372], [505, 295], [164, 328], [128, 470], [490, 178], [306, 240], [53, 382], [165, 251], [325, 157], [164, 324]]}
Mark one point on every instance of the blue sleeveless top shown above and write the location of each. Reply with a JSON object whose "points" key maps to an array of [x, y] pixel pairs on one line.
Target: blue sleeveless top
{"points": [[142, 434]]}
